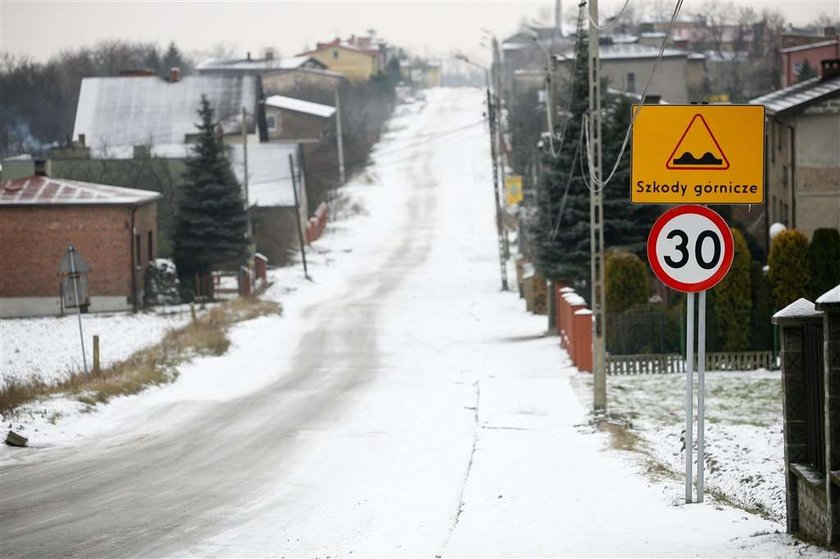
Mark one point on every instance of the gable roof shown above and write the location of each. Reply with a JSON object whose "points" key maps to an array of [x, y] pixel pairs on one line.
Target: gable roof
{"points": [[269, 176], [40, 190], [300, 106], [263, 65], [144, 110], [799, 96], [337, 45]]}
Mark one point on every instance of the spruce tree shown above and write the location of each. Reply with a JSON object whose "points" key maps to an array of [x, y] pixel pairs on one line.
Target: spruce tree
{"points": [[211, 223], [560, 239]]}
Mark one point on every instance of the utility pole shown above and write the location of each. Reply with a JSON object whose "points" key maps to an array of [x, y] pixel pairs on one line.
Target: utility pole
{"points": [[596, 217], [491, 119], [496, 75], [244, 127], [301, 240], [339, 139]]}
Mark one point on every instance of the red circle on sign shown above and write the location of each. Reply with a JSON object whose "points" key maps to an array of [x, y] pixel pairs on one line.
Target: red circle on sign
{"points": [[727, 256]]}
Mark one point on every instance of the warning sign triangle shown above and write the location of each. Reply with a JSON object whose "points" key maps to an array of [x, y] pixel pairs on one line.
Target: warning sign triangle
{"points": [[698, 149]]}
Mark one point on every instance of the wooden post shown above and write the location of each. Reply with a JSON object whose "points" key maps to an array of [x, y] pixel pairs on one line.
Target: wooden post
{"points": [[96, 354], [192, 312]]}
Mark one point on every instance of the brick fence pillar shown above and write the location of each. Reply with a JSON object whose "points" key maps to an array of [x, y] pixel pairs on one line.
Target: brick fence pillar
{"points": [[583, 339]]}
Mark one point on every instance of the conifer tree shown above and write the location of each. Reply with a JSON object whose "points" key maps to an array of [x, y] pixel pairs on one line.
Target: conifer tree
{"points": [[560, 239], [211, 223]]}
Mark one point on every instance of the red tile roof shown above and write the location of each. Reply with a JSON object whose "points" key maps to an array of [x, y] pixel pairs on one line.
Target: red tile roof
{"points": [[38, 190]]}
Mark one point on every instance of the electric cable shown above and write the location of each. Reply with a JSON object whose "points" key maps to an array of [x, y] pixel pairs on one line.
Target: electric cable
{"points": [[598, 183], [611, 21]]}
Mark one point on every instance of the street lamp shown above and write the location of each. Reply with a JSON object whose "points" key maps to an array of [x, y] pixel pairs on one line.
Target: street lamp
{"points": [[491, 117]]}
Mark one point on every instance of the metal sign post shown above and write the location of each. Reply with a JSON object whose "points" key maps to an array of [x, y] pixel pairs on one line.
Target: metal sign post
{"points": [[690, 249], [74, 275]]}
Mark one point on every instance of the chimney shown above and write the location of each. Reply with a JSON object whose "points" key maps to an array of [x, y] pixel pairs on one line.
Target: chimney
{"points": [[269, 53], [82, 140], [830, 31], [830, 68], [42, 167], [174, 74]]}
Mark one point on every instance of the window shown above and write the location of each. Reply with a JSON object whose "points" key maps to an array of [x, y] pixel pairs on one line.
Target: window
{"points": [[631, 82], [150, 246], [335, 54], [137, 249], [271, 122]]}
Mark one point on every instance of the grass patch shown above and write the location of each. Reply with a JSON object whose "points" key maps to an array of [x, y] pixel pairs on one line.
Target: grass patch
{"points": [[207, 335]]}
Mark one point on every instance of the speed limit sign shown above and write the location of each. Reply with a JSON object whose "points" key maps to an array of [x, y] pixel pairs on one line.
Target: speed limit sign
{"points": [[690, 248]]}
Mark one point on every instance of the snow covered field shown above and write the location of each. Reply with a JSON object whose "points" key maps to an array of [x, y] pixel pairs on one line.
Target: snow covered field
{"points": [[49, 349], [744, 452], [451, 426]]}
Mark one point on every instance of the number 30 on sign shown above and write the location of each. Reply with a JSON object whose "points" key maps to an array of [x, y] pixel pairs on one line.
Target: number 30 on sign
{"points": [[690, 248]]}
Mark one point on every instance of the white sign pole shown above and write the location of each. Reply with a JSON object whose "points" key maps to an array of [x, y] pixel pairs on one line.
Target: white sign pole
{"points": [[689, 395], [701, 393], [75, 277]]}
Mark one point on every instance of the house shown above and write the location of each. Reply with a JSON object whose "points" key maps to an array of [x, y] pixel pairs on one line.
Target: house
{"points": [[290, 119], [796, 59], [319, 86], [626, 66], [112, 228], [115, 114], [257, 66], [803, 143], [271, 195], [356, 58]]}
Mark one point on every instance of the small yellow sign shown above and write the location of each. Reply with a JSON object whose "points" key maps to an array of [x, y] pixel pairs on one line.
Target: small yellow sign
{"points": [[513, 189], [697, 154]]}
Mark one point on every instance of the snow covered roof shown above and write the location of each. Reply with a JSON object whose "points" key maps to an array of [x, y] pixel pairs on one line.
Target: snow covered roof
{"points": [[146, 110], [258, 65], [636, 50], [830, 297], [300, 106], [40, 190], [801, 308], [269, 177], [799, 95], [810, 46]]}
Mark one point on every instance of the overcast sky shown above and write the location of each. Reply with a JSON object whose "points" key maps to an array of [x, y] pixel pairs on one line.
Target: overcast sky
{"points": [[41, 28]]}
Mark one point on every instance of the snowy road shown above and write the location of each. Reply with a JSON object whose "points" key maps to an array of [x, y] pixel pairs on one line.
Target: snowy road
{"points": [[420, 413]]}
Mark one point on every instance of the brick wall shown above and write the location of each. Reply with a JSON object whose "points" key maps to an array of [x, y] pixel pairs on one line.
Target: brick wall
{"points": [[36, 237]]}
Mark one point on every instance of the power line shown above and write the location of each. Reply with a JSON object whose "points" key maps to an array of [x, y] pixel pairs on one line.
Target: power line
{"points": [[598, 183], [328, 168], [611, 21]]}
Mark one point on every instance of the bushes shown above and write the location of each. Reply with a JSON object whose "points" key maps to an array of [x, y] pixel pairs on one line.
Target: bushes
{"points": [[824, 261], [732, 300], [789, 263], [626, 281]]}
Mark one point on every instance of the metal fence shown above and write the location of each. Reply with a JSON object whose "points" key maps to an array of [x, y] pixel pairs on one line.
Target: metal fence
{"points": [[662, 364]]}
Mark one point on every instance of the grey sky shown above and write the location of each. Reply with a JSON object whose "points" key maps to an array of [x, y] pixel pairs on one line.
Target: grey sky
{"points": [[40, 28]]}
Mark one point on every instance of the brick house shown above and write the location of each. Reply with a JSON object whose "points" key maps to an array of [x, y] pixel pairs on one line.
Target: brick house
{"points": [[112, 228]]}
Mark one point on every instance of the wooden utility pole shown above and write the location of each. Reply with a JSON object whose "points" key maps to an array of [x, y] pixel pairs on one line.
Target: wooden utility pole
{"points": [[596, 216], [297, 216], [339, 139]]}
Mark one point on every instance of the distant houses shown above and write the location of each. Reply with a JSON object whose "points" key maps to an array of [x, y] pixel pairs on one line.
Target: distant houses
{"points": [[357, 58]]}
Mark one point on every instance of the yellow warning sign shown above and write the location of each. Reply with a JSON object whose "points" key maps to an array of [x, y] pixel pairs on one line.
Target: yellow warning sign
{"points": [[697, 154], [513, 189]]}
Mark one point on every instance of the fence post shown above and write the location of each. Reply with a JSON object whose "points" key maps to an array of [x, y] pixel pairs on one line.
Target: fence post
{"points": [[95, 353], [829, 304]]}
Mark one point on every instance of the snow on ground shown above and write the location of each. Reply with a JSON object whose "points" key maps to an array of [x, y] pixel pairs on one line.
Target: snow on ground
{"points": [[744, 438], [49, 348]]}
